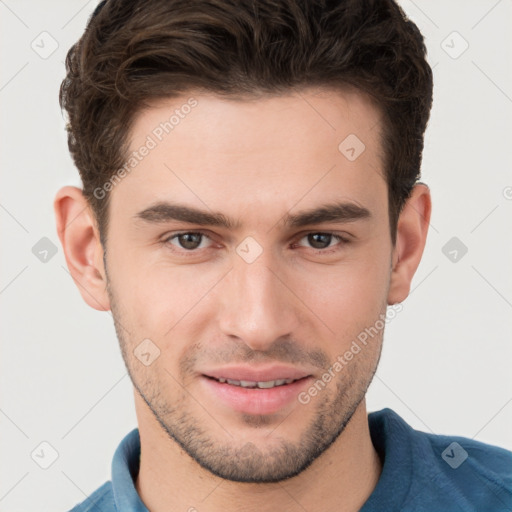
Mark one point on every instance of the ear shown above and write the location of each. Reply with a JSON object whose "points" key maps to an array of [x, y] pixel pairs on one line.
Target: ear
{"points": [[411, 237], [80, 241]]}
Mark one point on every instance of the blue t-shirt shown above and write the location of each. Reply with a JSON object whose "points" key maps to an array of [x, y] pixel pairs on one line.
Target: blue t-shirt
{"points": [[421, 473]]}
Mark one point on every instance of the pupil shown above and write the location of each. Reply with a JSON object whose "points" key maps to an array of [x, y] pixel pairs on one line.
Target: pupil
{"points": [[190, 240], [313, 240]]}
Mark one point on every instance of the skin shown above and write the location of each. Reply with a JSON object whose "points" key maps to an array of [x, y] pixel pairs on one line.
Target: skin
{"points": [[254, 161]]}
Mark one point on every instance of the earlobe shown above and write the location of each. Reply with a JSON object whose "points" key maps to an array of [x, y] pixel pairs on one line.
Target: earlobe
{"points": [[411, 237], [81, 244]]}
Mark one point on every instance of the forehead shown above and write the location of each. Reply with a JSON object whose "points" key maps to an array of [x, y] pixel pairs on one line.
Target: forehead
{"points": [[266, 153], [320, 116]]}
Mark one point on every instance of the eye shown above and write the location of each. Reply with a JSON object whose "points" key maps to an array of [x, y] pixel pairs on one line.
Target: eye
{"points": [[189, 241], [322, 241], [193, 241]]}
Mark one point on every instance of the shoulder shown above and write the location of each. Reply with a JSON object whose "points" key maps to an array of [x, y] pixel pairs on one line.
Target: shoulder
{"points": [[444, 472], [101, 499], [477, 471]]}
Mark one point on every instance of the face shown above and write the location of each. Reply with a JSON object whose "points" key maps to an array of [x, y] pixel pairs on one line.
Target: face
{"points": [[269, 282]]}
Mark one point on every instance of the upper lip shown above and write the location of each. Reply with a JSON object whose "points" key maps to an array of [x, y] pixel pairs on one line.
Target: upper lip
{"points": [[255, 374]]}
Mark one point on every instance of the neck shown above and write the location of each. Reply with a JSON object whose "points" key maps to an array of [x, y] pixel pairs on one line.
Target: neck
{"points": [[342, 478]]}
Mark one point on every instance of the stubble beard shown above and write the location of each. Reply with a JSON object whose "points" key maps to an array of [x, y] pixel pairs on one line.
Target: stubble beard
{"points": [[334, 408]]}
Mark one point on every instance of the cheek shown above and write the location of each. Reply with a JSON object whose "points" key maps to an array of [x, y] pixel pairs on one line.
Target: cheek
{"points": [[348, 295], [158, 299]]}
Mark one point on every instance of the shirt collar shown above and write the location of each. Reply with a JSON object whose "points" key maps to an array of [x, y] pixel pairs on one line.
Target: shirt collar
{"points": [[389, 433], [125, 468], [391, 438]]}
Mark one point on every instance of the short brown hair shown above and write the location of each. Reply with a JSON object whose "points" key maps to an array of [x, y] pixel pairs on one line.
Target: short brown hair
{"points": [[133, 51]]}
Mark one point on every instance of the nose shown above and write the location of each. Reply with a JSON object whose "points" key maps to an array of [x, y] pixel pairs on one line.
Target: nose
{"points": [[257, 304]]}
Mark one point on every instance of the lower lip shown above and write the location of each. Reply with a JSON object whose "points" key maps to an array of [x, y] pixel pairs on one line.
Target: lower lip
{"points": [[256, 400]]}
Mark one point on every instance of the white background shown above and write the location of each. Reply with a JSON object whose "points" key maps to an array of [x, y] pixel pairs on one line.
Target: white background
{"points": [[446, 361]]}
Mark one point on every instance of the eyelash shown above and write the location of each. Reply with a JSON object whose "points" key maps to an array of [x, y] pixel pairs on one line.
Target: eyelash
{"points": [[193, 252]]}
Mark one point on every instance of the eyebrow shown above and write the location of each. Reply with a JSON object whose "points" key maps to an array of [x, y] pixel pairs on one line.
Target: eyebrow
{"points": [[162, 212]]}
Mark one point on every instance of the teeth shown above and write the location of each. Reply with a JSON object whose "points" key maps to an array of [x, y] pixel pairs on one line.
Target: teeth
{"points": [[248, 384], [267, 384], [260, 384]]}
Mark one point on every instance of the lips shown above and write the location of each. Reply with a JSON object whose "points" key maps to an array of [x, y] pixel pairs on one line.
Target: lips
{"points": [[255, 390], [250, 374], [256, 384]]}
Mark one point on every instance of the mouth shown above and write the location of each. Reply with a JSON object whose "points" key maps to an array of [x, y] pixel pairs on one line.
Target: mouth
{"points": [[251, 384], [255, 392]]}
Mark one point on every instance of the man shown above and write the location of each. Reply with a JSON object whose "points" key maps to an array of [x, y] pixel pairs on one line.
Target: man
{"points": [[250, 209]]}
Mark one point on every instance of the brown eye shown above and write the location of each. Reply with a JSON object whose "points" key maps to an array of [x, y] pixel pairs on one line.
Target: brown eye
{"points": [[322, 241], [189, 241], [319, 240]]}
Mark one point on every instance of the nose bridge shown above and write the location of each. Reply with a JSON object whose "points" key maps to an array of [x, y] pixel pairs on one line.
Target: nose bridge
{"points": [[256, 305]]}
